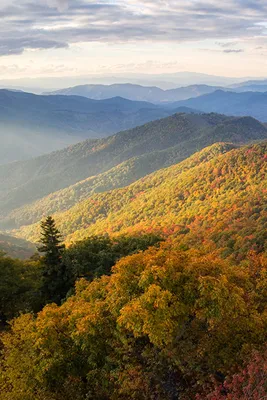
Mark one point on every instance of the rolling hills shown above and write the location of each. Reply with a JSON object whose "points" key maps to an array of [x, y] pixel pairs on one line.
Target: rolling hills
{"points": [[253, 104], [216, 198], [122, 158], [31, 125]]}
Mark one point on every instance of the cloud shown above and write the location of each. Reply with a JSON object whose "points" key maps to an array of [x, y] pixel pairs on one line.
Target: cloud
{"points": [[29, 24], [16, 47], [226, 44], [233, 51]]}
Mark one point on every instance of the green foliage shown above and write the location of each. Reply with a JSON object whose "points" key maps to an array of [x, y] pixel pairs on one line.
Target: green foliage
{"points": [[51, 242], [54, 286], [28, 285], [96, 255], [19, 286]]}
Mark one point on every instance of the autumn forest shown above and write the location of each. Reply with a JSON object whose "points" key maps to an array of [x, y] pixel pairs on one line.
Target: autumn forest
{"points": [[156, 290]]}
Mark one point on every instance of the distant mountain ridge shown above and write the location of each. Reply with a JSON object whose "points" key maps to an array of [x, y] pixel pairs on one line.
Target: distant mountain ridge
{"points": [[161, 80], [253, 104], [137, 92], [250, 82], [104, 164], [251, 88]]}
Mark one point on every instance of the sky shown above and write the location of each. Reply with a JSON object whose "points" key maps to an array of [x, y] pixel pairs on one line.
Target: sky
{"points": [[61, 38]]}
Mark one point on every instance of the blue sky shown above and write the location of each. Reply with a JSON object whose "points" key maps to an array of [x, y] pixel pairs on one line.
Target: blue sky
{"points": [[77, 37]]}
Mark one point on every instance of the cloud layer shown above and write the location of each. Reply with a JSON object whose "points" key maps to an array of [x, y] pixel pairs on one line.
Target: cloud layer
{"points": [[46, 24]]}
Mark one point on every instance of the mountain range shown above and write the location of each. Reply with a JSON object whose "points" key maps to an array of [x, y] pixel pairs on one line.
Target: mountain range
{"points": [[56, 182], [162, 80], [155, 94], [137, 92], [31, 125]]}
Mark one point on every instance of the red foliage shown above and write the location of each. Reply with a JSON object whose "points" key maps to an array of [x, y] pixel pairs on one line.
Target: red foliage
{"points": [[248, 384]]}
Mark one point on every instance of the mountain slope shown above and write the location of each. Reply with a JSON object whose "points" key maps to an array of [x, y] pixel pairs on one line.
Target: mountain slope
{"points": [[15, 247], [137, 92], [24, 182], [117, 177], [197, 202], [32, 125], [253, 104]]}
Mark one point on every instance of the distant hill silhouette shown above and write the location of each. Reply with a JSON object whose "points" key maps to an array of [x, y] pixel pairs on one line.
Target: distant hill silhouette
{"points": [[137, 92], [253, 104]]}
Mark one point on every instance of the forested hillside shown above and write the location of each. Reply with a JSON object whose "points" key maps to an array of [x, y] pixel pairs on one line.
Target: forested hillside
{"points": [[221, 200], [119, 176], [165, 142]]}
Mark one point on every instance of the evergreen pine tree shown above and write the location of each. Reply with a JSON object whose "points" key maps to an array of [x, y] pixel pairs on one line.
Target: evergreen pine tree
{"points": [[54, 272]]}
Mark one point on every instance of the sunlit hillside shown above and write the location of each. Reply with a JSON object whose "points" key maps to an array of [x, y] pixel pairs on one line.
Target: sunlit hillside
{"points": [[222, 199]]}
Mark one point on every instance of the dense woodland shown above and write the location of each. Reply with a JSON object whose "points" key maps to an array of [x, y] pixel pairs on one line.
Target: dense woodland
{"points": [[154, 291], [161, 323]]}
